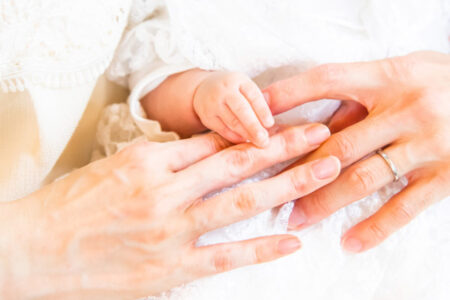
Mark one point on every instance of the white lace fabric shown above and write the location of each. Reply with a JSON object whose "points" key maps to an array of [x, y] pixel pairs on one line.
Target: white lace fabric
{"points": [[42, 44], [51, 54], [269, 40]]}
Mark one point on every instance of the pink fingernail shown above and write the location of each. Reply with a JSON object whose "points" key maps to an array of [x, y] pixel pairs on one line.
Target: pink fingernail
{"points": [[316, 134], [269, 122], [297, 218], [352, 245], [325, 168], [289, 245]]}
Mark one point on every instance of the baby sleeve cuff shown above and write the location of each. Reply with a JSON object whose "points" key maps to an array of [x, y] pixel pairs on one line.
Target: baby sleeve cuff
{"points": [[141, 85]]}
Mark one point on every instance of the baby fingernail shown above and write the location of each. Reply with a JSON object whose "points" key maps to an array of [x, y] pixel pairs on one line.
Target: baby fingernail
{"points": [[352, 245], [325, 168], [269, 122], [297, 219], [316, 134], [288, 245]]}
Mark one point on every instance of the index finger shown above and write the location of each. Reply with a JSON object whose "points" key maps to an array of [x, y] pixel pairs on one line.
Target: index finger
{"points": [[248, 200], [347, 81], [241, 161], [183, 153]]}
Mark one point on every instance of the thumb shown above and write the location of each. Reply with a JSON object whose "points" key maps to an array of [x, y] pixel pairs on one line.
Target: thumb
{"points": [[359, 82]]}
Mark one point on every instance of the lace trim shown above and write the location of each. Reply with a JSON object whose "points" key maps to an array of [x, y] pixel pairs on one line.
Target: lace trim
{"points": [[52, 79], [57, 44]]}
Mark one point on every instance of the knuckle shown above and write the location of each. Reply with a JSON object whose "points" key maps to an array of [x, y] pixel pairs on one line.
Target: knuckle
{"points": [[343, 148], [328, 74], [317, 206], [362, 180], [299, 182], [198, 222], [217, 143], [245, 200], [236, 105], [240, 109], [377, 232], [399, 68], [234, 122], [250, 92], [139, 194], [291, 141], [156, 236], [138, 158], [231, 78], [138, 150], [222, 262], [216, 94], [259, 254], [403, 213], [238, 161], [428, 105]]}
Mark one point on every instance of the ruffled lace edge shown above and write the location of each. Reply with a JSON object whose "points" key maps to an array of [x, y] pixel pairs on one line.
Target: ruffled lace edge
{"points": [[55, 79]]}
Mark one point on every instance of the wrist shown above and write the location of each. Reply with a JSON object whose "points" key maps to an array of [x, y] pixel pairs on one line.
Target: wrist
{"points": [[14, 247], [21, 248], [172, 102]]}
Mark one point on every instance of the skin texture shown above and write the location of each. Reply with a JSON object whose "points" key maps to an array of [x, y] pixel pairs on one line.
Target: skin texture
{"points": [[228, 103], [399, 104], [125, 227]]}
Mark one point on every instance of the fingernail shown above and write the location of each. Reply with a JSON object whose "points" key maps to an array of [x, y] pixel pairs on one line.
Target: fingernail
{"points": [[316, 134], [266, 96], [325, 168], [289, 245], [297, 218], [352, 245], [269, 122]]}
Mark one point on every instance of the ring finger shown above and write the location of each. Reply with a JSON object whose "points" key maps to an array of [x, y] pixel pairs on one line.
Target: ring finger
{"points": [[355, 183], [248, 200], [358, 140], [397, 212]]}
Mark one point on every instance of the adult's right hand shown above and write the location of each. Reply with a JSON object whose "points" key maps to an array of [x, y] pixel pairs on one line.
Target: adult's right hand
{"points": [[126, 226]]}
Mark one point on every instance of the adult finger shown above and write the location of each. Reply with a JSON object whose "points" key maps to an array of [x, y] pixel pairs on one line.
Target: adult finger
{"points": [[225, 257], [256, 99], [241, 161], [183, 153], [358, 140], [243, 111], [348, 81], [396, 213], [355, 183], [248, 200], [349, 113]]}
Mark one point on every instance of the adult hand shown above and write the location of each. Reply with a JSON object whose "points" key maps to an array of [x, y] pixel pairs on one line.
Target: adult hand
{"points": [[126, 226], [407, 103]]}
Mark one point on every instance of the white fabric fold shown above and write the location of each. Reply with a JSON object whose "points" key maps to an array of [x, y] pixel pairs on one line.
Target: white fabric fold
{"points": [[269, 40]]}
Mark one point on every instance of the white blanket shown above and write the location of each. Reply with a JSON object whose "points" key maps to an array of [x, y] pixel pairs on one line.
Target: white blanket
{"points": [[269, 40]]}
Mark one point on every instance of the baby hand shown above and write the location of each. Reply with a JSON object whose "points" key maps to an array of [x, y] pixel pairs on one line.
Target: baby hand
{"points": [[232, 105]]}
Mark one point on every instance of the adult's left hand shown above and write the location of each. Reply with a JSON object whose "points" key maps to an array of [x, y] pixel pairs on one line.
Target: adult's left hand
{"points": [[399, 104]]}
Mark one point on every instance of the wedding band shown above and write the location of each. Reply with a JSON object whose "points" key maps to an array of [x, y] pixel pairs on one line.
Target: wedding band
{"points": [[390, 163]]}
